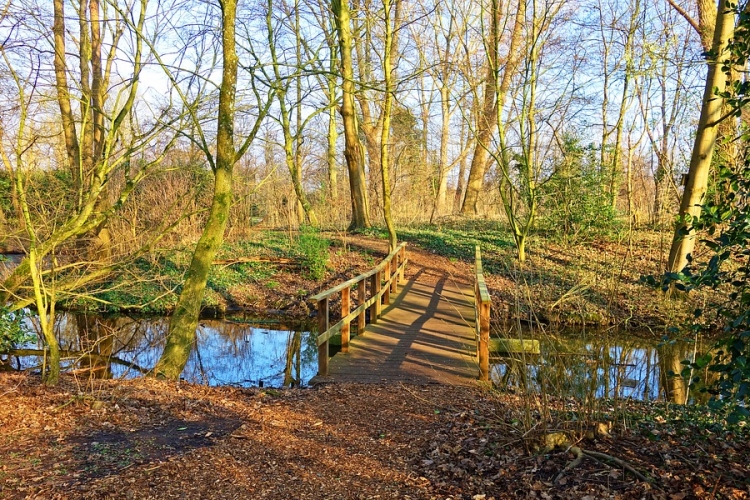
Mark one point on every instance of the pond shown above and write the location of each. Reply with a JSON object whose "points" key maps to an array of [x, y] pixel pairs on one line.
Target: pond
{"points": [[275, 353], [595, 364], [238, 352]]}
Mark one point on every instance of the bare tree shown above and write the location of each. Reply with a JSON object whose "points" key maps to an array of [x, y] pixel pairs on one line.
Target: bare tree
{"points": [[184, 320], [292, 139], [353, 153], [103, 142], [693, 197]]}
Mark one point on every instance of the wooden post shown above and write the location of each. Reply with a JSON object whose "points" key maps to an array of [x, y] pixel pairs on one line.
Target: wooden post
{"points": [[387, 291], [361, 298], [402, 259], [484, 341], [345, 308], [477, 321], [323, 328], [394, 275], [378, 281], [373, 293]]}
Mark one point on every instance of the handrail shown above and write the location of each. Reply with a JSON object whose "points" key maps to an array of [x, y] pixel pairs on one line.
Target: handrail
{"points": [[380, 293], [482, 302]]}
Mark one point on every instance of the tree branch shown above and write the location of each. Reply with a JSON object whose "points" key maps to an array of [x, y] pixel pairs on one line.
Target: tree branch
{"points": [[685, 14]]}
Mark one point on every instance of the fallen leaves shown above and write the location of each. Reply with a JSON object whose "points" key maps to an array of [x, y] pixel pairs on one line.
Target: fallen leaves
{"points": [[337, 442]]}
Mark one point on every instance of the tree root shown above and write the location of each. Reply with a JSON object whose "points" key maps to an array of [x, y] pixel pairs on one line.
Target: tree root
{"points": [[572, 465], [617, 461], [598, 457]]}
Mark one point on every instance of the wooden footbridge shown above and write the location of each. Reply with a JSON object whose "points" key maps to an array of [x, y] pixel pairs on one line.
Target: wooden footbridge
{"points": [[418, 331]]}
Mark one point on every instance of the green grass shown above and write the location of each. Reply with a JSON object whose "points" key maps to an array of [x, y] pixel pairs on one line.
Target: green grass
{"points": [[313, 251], [459, 241], [152, 284], [264, 243]]}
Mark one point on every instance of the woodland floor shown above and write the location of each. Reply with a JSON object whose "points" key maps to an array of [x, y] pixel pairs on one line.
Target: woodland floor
{"points": [[150, 439]]}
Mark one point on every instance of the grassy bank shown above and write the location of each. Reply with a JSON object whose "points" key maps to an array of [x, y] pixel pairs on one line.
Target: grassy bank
{"points": [[269, 271], [594, 282], [591, 282]]}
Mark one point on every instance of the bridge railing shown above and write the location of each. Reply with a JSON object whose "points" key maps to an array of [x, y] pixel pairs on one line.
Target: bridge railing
{"points": [[482, 303], [374, 289]]}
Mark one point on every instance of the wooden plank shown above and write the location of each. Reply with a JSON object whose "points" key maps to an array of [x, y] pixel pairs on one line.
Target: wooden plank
{"points": [[378, 294], [483, 293], [482, 304], [387, 289], [361, 298], [484, 341], [394, 277], [331, 332]]}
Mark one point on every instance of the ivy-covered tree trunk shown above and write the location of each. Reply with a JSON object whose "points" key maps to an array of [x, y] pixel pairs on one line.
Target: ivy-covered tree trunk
{"points": [[184, 320]]}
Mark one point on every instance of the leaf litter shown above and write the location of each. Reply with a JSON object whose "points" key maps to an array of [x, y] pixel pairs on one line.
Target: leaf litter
{"points": [[151, 439]]}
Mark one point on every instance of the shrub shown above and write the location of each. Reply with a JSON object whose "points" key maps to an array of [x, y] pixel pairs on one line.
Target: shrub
{"points": [[12, 331], [575, 203], [313, 249]]}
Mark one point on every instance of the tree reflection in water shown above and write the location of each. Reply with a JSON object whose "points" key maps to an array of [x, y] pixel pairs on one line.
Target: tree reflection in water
{"points": [[239, 353], [594, 365], [583, 365]]}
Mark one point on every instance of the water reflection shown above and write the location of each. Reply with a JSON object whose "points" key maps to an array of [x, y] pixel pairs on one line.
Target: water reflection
{"points": [[227, 352], [584, 365], [601, 366]]}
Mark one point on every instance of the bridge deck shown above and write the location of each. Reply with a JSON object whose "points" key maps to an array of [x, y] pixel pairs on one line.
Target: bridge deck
{"points": [[426, 335]]}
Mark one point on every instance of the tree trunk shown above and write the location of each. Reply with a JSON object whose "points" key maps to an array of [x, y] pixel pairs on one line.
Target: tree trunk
{"points": [[487, 118], [460, 184], [445, 114], [388, 70], [352, 147], [63, 98], [184, 320], [614, 181], [332, 138], [683, 241], [499, 93], [292, 146]]}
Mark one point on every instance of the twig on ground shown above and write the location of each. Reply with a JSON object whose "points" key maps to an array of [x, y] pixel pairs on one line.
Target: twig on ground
{"points": [[10, 391], [597, 457]]}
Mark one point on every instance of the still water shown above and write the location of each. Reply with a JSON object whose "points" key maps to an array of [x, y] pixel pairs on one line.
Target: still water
{"points": [[237, 352], [272, 353], [598, 364]]}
